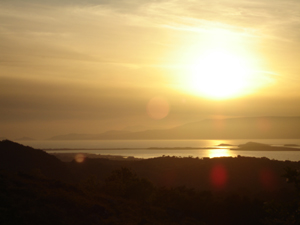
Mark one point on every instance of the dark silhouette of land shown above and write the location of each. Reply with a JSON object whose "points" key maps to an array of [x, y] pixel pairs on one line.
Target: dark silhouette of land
{"points": [[37, 188], [253, 146], [223, 144], [15, 157], [235, 128], [291, 145]]}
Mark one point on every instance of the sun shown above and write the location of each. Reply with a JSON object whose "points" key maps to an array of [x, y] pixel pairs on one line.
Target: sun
{"points": [[219, 74]]}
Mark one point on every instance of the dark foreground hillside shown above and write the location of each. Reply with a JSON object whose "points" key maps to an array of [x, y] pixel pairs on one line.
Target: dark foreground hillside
{"points": [[16, 157], [164, 190], [246, 174]]}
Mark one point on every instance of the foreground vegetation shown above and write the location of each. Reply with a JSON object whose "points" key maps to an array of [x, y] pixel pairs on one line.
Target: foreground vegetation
{"points": [[154, 191]]}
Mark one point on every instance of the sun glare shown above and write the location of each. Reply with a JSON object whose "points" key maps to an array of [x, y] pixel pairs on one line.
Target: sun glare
{"points": [[222, 152], [219, 74]]}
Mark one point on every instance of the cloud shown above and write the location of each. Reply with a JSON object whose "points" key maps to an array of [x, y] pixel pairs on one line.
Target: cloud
{"points": [[104, 60], [25, 99]]}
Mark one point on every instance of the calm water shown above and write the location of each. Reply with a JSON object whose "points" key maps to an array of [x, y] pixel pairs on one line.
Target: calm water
{"points": [[139, 148]]}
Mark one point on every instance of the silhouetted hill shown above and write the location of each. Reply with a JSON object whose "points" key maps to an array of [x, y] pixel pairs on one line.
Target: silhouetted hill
{"points": [[242, 173], [234, 128], [255, 174], [17, 157], [164, 190], [123, 199]]}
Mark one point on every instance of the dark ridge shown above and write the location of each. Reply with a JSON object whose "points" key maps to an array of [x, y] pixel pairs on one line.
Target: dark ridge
{"points": [[164, 190], [223, 144], [249, 173], [19, 158]]}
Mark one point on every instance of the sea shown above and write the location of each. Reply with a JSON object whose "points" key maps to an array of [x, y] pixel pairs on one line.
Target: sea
{"points": [[179, 148]]}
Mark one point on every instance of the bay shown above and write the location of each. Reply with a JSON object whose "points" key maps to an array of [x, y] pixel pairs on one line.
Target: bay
{"points": [[179, 148]]}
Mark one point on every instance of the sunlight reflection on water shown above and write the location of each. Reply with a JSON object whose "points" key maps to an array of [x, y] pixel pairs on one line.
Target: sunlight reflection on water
{"points": [[221, 152], [186, 148]]}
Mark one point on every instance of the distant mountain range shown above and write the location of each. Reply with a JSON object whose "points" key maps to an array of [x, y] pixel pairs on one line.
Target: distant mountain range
{"points": [[233, 128], [113, 134], [25, 139]]}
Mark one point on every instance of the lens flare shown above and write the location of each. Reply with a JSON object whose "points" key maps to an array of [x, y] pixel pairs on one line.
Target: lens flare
{"points": [[267, 179], [218, 177], [264, 125], [79, 158], [158, 108]]}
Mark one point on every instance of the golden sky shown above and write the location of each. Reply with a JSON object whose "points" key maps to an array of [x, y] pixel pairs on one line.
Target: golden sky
{"points": [[91, 66]]}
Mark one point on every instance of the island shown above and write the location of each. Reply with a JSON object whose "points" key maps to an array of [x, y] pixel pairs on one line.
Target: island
{"points": [[254, 146]]}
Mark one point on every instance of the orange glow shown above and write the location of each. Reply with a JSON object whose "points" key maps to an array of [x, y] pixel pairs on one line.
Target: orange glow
{"points": [[219, 124], [79, 158]]}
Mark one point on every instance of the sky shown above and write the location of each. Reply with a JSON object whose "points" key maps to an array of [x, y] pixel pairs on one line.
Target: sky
{"points": [[87, 66]]}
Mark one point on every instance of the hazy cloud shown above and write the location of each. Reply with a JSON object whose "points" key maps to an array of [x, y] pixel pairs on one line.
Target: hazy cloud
{"points": [[88, 60]]}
